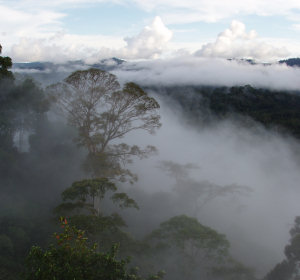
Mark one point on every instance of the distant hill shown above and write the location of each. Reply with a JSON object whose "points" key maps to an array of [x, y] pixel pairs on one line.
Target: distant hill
{"points": [[48, 72], [291, 62], [279, 110], [111, 64], [105, 64], [247, 61]]}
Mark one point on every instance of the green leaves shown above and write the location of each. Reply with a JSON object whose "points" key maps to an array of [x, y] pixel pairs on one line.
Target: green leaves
{"points": [[5, 64], [87, 194], [124, 200], [193, 248], [82, 205], [88, 188], [187, 234], [72, 259]]}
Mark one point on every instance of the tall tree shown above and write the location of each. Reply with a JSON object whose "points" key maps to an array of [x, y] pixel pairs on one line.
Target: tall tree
{"points": [[82, 204], [103, 113]]}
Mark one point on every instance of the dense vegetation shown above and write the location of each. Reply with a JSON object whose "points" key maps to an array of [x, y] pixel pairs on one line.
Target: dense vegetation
{"points": [[279, 110], [62, 155], [291, 61], [289, 267]]}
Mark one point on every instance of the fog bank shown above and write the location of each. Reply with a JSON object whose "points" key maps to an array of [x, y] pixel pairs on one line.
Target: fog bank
{"points": [[191, 70], [256, 221]]}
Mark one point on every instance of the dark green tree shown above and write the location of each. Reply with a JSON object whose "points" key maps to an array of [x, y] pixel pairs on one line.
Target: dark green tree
{"points": [[288, 268], [194, 248], [5, 64], [232, 270], [71, 258], [83, 207]]}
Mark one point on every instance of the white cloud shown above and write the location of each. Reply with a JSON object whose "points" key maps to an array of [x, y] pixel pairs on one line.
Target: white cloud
{"points": [[150, 42], [60, 46], [33, 30], [235, 42], [16, 26], [191, 70], [33, 23]]}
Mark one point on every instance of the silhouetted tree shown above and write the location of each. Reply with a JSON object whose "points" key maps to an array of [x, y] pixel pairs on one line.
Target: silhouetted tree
{"points": [[104, 113]]}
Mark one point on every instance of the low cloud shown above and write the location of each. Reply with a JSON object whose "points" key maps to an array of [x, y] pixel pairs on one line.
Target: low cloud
{"points": [[190, 70], [225, 153], [235, 42]]}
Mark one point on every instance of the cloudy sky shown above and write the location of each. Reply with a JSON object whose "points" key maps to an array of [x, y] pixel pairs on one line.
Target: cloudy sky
{"points": [[58, 30]]}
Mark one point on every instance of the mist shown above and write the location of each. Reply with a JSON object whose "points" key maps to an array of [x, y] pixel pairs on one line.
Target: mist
{"points": [[256, 221], [191, 70], [182, 70], [241, 180]]}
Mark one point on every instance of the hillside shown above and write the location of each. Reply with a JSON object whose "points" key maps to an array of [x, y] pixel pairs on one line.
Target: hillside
{"points": [[280, 109]]}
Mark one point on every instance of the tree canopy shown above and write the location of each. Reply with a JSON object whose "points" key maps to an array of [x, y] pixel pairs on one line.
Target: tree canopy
{"points": [[103, 112], [197, 247], [71, 258], [5, 64], [288, 268]]}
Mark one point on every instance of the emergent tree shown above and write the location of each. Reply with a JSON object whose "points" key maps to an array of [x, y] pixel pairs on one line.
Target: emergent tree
{"points": [[103, 113]]}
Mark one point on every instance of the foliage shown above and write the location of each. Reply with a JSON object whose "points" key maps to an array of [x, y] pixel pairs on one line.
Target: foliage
{"points": [[22, 108], [292, 251], [282, 271], [82, 206], [194, 248], [16, 237], [32, 150], [232, 270], [271, 108], [295, 230], [291, 61], [87, 195], [285, 269], [5, 64], [103, 113], [191, 237], [71, 258], [197, 193]]}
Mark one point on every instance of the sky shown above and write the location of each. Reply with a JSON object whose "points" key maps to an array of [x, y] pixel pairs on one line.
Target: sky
{"points": [[62, 30]]}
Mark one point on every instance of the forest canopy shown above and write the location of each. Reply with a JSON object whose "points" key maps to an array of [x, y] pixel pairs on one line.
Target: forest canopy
{"points": [[65, 168]]}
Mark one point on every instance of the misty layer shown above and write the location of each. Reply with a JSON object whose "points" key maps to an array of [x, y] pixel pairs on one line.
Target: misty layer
{"points": [[208, 202], [253, 169], [210, 72]]}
